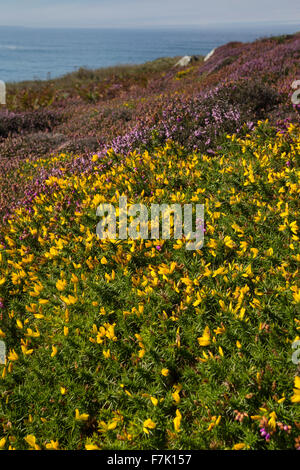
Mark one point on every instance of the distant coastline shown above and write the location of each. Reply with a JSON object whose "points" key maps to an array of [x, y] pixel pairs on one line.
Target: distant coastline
{"points": [[41, 53]]}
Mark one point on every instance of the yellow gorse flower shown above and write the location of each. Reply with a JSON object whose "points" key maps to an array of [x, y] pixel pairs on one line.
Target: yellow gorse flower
{"points": [[61, 284], [239, 446], [205, 340], [91, 447], [52, 445], [54, 351], [177, 421], [2, 442], [296, 397], [31, 441], [148, 424], [12, 355], [81, 417]]}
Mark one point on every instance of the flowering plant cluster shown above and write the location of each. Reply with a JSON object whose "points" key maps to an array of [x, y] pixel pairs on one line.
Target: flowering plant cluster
{"points": [[140, 343], [131, 107]]}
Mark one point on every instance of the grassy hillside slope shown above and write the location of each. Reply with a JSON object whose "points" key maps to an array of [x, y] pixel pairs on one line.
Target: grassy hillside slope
{"points": [[141, 344]]}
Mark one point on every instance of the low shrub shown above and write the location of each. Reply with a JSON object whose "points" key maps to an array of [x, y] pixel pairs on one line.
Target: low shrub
{"points": [[31, 121]]}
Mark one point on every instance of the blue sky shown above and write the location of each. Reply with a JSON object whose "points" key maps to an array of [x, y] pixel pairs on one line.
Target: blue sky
{"points": [[139, 13]]}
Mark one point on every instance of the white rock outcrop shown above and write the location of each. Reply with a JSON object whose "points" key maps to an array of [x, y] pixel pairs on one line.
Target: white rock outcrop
{"points": [[209, 55], [184, 61]]}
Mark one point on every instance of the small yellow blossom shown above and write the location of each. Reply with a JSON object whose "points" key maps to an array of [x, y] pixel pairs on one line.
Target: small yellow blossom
{"points": [[204, 340], [91, 447], [148, 424], [177, 421], [31, 441], [61, 285], [154, 401], [52, 445], [296, 397], [239, 446], [106, 354], [81, 417], [54, 351], [2, 442], [13, 356]]}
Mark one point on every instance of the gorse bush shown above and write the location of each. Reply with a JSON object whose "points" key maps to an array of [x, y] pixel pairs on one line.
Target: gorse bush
{"points": [[141, 344]]}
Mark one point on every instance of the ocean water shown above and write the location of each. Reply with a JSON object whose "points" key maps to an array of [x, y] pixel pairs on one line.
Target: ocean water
{"points": [[27, 53]]}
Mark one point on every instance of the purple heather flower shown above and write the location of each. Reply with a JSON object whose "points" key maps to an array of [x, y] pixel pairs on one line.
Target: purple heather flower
{"points": [[263, 432]]}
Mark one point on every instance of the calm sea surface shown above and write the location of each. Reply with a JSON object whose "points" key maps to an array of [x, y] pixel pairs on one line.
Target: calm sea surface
{"points": [[27, 53]]}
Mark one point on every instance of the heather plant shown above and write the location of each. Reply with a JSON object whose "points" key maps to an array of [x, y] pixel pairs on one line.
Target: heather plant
{"points": [[200, 121], [12, 123]]}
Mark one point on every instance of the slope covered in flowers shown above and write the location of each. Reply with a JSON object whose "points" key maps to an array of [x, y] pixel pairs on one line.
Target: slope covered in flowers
{"points": [[125, 107], [142, 344]]}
